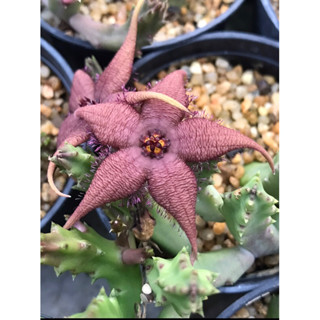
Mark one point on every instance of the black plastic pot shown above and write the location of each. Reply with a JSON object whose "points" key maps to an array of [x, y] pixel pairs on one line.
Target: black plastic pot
{"points": [[76, 50], [97, 219], [53, 59], [267, 22], [268, 286], [252, 51]]}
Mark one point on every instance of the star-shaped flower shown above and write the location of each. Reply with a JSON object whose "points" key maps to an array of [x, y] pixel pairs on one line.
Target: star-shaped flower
{"points": [[153, 145]]}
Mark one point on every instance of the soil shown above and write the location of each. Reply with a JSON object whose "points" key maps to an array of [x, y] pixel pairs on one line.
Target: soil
{"points": [[182, 18], [53, 109]]}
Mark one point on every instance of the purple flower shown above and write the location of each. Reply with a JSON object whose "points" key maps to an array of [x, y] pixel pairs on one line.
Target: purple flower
{"points": [[153, 145]]}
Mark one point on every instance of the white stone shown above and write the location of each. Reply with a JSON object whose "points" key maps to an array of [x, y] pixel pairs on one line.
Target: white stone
{"points": [[146, 289], [195, 68], [222, 63], [247, 77]]}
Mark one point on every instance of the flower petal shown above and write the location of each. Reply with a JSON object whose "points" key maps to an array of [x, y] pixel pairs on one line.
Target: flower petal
{"points": [[82, 87], [173, 186], [112, 123], [203, 139], [173, 85], [118, 72], [74, 131], [116, 178]]}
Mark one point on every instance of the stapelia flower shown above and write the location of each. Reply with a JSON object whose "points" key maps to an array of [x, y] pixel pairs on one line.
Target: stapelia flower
{"points": [[153, 144]]}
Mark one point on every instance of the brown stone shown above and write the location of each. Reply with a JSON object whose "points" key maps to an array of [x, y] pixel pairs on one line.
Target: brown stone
{"points": [[45, 110], [219, 228], [223, 87], [234, 181], [47, 91], [217, 179]]}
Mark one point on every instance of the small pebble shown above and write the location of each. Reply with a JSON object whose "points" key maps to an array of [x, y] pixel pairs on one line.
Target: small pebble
{"points": [[264, 119], [254, 132], [202, 100], [208, 67], [219, 228], [261, 100], [199, 244], [196, 79], [206, 234], [49, 128], [211, 77], [210, 88], [247, 77], [222, 63], [275, 98], [47, 194], [270, 79], [246, 105], [54, 83], [223, 87], [234, 181], [208, 245], [239, 172], [262, 128], [202, 23], [263, 111], [252, 117], [237, 159], [47, 92], [242, 313], [217, 179], [263, 87], [275, 128], [195, 68], [228, 243], [45, 110], [231, 105], [45, 71], [200, 223], [241, 91], [216, 247], [260, 307]]}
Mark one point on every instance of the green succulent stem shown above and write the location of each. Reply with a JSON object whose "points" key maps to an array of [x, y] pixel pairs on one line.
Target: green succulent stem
{"points": [[167, 231], [269, 180], [103, 307], [209, 204], [176, 283], [169, 312], [75, 251], [229, 263]]}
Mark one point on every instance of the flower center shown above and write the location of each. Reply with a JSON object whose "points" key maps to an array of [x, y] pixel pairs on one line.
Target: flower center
{"points": [[154, 144]]}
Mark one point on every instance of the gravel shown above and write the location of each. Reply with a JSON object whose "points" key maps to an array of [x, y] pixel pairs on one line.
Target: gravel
{"points": [[53, 109]]}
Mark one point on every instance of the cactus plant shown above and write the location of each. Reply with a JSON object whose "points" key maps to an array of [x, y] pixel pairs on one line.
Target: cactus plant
{"points": [[151, 19], [177, 283], [151, 183]]}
